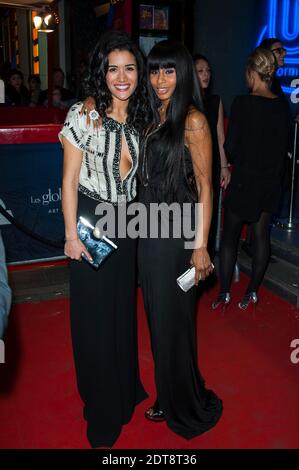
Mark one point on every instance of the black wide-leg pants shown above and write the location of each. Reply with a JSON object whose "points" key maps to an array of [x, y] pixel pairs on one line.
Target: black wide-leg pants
{"points": [[103, 328]]}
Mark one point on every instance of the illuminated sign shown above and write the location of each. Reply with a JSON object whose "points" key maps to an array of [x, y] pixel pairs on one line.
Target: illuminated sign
{"points": [[283, 23]]}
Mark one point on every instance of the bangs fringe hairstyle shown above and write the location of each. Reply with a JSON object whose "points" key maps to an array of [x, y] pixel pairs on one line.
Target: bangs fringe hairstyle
{"points": [[95, 83], [170, 145]]}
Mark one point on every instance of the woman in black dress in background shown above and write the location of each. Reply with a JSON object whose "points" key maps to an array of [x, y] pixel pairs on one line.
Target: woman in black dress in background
{"points": [[100, 166], [176, 152], [256, 144], [213, 108]]}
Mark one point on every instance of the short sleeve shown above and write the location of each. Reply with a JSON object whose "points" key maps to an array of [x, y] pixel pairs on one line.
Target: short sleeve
{"points": [[74, 127]]}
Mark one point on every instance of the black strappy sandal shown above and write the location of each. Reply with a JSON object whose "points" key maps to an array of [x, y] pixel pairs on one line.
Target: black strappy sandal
{"points": [[154, 413]]}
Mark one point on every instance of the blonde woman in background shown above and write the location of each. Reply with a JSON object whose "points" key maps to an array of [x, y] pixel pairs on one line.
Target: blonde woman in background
{"points": [[256, 144]]}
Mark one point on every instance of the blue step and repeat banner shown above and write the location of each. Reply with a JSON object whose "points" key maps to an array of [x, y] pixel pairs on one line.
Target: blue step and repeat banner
{"points": [[30, 191]]}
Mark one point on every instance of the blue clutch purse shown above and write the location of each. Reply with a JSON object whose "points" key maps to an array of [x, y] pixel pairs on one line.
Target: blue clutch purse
{"points": [[99, 248]]}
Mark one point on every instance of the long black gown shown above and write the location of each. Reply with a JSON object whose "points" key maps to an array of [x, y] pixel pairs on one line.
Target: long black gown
{"points": [[103, 326], [190, 409]]}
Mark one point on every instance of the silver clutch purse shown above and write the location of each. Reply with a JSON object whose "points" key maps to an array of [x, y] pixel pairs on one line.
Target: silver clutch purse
{"points": [[98, 248], [187, 279]]}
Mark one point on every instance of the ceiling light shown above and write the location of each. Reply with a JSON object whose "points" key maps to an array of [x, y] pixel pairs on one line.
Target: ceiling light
{"points": [[47, 21], [37, 20]]}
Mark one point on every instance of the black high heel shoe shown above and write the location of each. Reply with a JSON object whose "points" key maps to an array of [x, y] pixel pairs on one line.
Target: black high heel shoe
{"points": [[249, 299], [154, 413], [223, 300]]}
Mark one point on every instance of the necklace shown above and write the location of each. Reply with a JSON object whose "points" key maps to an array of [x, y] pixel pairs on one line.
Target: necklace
{"points": [[162, 113]]}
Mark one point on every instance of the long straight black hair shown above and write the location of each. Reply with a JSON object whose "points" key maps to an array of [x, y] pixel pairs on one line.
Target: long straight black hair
{"points": [[170, 145]]}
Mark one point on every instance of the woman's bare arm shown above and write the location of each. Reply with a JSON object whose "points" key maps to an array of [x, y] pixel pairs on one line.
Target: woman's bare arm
{"points": [[71, 171], [198, 140], [225, 174]]}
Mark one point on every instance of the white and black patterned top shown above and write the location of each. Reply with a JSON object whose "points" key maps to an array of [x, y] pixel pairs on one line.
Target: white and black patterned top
{"points": [[100, 178]]}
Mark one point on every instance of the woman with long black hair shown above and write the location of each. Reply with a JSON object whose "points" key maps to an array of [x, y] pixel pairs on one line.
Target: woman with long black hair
{"points": [[213, 109], [100, 166], [175, 167]]}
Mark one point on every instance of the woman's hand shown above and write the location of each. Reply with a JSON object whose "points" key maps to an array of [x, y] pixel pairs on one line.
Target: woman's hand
{"points": [[88, 106], [225, 176], [202, 263], [75, 248]]}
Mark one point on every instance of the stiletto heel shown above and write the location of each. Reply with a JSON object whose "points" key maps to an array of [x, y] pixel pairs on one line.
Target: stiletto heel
{"points": [[223, 300], [249, 300]]}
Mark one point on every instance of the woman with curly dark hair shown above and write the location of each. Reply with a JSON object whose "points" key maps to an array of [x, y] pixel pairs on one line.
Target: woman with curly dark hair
{"points": [[100, 167]]}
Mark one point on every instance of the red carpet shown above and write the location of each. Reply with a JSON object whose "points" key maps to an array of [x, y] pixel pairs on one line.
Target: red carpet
{"points": [[244, 358]]}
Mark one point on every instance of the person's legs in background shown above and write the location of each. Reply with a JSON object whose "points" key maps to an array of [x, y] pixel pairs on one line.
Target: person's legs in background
{"points": [[247, 243], [228, 255], [260, 231]]}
